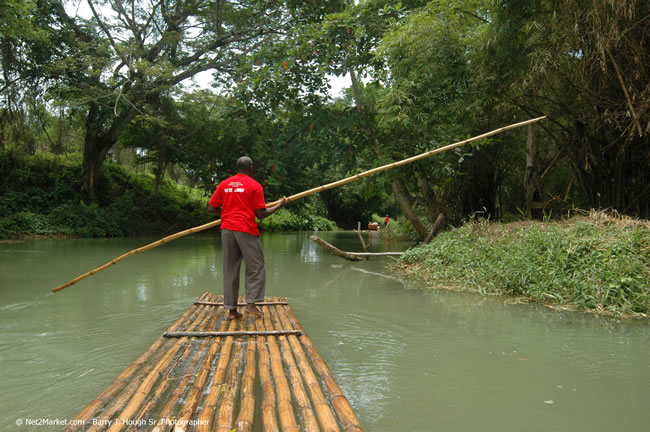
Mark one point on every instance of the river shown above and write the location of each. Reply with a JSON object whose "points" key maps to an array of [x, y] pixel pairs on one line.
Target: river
{"points": [[408, 358]]}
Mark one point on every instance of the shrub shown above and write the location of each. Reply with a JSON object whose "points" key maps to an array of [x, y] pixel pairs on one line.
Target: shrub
{"points": [[25, 221], [285, 220]]}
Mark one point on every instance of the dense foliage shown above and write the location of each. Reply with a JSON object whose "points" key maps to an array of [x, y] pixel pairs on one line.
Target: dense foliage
{"points": [[599, 263], [114, 84], [43, 196]]}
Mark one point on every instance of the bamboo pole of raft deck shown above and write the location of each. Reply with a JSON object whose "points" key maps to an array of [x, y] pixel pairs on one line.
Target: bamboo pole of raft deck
{"points": [[327, 420], [182, 383], [244, 421], [191, 399], [141, 393], [285, 407], [161, 386], [301, 195], [132, 390], [216, 386], [203, 334], [125, 377], [264, 303], [310, 424], [225, 415], [125, 406], [340, 403], [194, 396], [269, 412]]}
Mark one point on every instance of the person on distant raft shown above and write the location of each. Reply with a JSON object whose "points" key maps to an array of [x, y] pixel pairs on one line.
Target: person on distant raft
{"points": [[386, 221], [239, 199]]}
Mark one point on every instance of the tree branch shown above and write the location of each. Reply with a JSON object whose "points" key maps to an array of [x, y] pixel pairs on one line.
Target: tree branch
{"points": [[106, 32]]}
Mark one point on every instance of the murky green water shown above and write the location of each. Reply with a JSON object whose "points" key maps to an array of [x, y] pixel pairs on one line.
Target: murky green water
{"points": [[408, 359]]}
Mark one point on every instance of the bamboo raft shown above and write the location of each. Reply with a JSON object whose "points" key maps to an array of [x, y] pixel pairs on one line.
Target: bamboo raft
{"points": [[207, 373]]}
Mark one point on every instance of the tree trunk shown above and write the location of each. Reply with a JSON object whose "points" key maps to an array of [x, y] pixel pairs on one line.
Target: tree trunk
{"points": [[356, 92], [433, 207], [95, 151], [403, 199], [435, 228], [160, 168], [531, 177], [98, 141]]}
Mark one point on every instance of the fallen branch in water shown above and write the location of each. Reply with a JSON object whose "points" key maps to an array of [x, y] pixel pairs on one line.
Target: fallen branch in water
{"points": [[350, 256]]}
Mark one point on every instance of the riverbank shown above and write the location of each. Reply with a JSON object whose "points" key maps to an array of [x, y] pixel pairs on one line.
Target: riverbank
{"points": [[597, 263], [41, 197]]}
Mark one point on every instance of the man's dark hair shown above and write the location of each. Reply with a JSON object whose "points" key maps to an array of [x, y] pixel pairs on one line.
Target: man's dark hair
{"points": [[244, 163]]}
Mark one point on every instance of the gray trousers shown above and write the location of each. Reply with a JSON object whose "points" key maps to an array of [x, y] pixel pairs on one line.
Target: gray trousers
{"points": [[237, 246]]}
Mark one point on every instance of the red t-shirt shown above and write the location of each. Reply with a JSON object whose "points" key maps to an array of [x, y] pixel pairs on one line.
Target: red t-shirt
{"points": [[238, 197]]}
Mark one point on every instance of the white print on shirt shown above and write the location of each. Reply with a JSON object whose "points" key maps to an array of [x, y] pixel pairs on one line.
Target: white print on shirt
{"points": [[235, 187]]}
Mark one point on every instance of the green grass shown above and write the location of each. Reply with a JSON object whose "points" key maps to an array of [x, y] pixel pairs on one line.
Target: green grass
{"points": [[598, 263]]}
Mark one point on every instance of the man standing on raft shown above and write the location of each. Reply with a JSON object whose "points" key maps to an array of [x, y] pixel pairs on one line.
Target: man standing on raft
{"points": [[240, 199]]}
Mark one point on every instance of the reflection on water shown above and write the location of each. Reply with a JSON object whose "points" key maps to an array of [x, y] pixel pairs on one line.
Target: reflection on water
{"points": [[408, 359]]}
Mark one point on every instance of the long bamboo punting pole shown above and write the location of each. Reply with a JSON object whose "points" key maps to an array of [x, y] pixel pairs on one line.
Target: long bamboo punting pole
{"points": [[301, 195]]}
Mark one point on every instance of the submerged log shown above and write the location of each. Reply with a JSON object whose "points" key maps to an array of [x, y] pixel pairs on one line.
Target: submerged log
{"points": [[363, 243], [336, 251], [376, 254], [350, 256]]}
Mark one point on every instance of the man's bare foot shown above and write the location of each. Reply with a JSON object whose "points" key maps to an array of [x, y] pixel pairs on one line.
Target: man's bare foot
{"points": [[234, 314], [253, 310]]}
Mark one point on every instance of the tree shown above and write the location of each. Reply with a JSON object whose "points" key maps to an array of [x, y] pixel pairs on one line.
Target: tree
{"points": [[425, 104], [129, 54]]}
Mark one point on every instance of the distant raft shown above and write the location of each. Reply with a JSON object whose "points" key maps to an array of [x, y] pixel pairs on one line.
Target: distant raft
{"points": [[207, 373]]}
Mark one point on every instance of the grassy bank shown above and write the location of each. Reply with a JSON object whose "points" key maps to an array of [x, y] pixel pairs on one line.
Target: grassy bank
{"points": [[598, 262], [41, 196]]}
